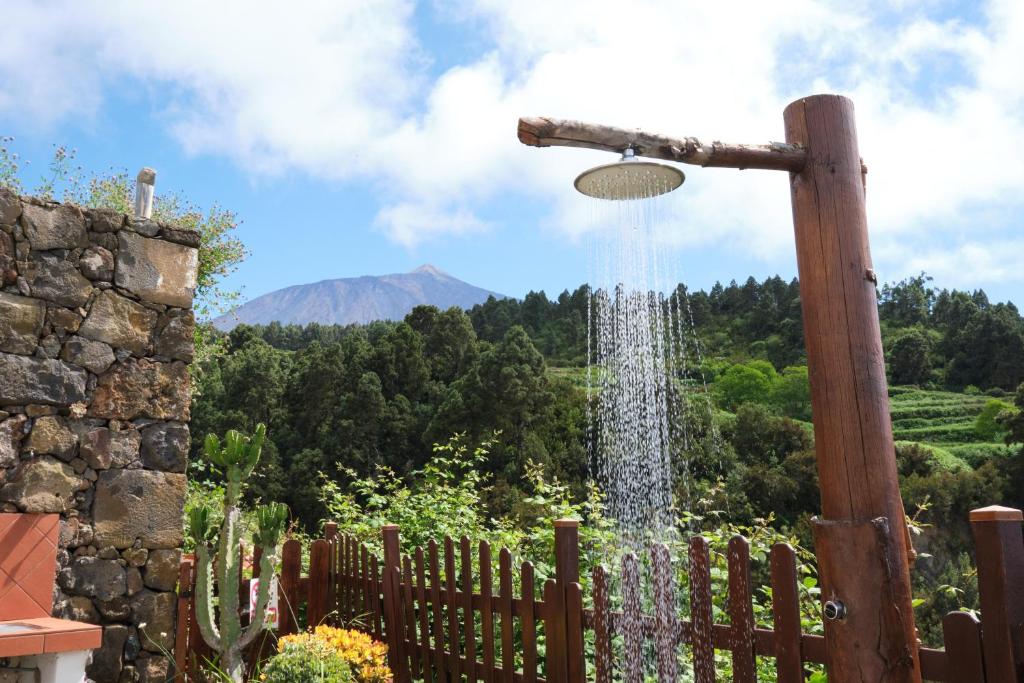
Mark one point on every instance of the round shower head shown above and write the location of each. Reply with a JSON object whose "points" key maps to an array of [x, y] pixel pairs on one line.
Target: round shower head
{"points": [[629, 179]]}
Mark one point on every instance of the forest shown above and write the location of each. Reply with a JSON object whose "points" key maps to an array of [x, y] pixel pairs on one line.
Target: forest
{"points": [[343, 404]]}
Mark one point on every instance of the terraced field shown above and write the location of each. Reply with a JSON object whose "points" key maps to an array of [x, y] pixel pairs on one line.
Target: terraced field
{"points": [[943, 421]]}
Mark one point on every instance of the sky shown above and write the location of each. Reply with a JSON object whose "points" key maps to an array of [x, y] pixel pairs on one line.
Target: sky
{"points": [[372, 136]]}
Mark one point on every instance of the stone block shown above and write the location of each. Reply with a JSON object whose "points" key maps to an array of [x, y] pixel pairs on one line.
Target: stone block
{"points": [[42, 485], [154, 669], [190, 238], [162, 569], [156, 270], [120, 322], [11, 434], [94, 356], [50, 436], [58, 280], [154, 614], [40, 380], [102, 448], [80, 608], [53, 227], [94, 577], [143, 388], [21, 323], [63, 320], [107, 661], [105, 220], [175, 336], [8, 258], [10, 207], [97, 263], [139, 505], [165, 447]]}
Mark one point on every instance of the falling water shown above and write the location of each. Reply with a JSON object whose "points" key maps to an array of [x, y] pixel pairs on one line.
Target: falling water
{"points": [[641, 338], [646, 381]]}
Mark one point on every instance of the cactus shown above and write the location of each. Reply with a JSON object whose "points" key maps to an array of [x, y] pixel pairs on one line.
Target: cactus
{"points": [[237, 457]]}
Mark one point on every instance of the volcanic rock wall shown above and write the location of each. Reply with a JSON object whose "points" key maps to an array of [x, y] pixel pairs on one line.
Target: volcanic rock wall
{"points": [[95, 340]]}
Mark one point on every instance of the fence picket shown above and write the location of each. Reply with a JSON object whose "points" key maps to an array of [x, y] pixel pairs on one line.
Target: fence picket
{"points": [[508, 659], [633, 640], [554, 632], [319, 581], [486, 611], [410, 617], [529, 625], [664, 613], [348, 584], [331, 536], [602, 642], [361, 588], [288, 602], [468, 620], [741, 611], [421, 598], [786, 614], [450, 579], [373, 585], [181, 635], [701, 621], [965, 659], [575, 664], [437, 612]]}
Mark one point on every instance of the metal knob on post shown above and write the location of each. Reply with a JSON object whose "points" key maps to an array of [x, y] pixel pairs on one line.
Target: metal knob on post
{"points": [[835, 610]]}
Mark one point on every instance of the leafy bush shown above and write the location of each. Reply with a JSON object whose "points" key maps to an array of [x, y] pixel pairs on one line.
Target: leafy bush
{"points": [[989, 425], [304, 658], [743, 384]]}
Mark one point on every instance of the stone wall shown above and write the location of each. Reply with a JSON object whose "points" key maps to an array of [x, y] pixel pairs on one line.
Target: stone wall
{"points": [[95, 340]]}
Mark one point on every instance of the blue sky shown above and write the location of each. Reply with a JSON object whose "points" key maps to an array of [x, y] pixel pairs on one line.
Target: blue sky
{"points": [[370, 137]]}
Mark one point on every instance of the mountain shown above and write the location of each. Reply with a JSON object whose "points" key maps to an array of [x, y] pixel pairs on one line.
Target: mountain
{"points": [[357, 299]]}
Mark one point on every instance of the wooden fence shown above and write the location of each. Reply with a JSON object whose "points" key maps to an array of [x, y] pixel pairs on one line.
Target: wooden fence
{"points": [[444, 617]]}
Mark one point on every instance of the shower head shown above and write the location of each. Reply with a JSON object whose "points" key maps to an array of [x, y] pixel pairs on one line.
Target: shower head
{"points": [[629, 179]]}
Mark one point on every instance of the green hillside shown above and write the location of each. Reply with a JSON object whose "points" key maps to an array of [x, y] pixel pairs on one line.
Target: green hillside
{"points": [[944, 422]]}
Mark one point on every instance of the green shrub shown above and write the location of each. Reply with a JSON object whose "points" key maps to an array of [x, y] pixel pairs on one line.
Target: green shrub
{"points": [[307, 660], [988, 426], [743, 384]]}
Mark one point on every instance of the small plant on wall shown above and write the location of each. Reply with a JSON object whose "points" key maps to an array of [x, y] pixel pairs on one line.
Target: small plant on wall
{"points": [[237, 456]]}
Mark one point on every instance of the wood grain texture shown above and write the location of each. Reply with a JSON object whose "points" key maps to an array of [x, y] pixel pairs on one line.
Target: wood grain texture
{"points": [[786, 613], [741, 611], [849, 394], [549, 132], [1000, 548]]}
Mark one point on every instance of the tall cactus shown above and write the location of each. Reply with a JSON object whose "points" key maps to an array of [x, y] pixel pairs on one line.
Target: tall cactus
{"points": [[237, 457]]}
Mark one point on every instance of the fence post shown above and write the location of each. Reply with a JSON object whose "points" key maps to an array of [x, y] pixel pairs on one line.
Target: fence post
{"points": [[392, 604], [1000, 548], [567, 572]]}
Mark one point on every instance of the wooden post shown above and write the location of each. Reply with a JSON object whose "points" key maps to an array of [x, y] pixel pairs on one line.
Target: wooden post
{"points": [[1000, 547], [849, 397], [392, 604], [567, 572]]}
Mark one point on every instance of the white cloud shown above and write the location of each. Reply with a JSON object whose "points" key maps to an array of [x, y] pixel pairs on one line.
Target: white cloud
{"points": [[971, 264], [409, 224], [338, 90]]}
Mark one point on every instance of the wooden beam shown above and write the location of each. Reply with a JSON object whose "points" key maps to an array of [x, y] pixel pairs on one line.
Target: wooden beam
{"points": [[548, 132]]}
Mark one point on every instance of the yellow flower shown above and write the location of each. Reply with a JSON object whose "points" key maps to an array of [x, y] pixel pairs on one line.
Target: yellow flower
{"points": [[367, 656]]}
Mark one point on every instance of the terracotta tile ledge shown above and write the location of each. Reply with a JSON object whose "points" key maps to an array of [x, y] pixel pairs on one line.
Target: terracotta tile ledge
{"points": [[49, 635]]}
